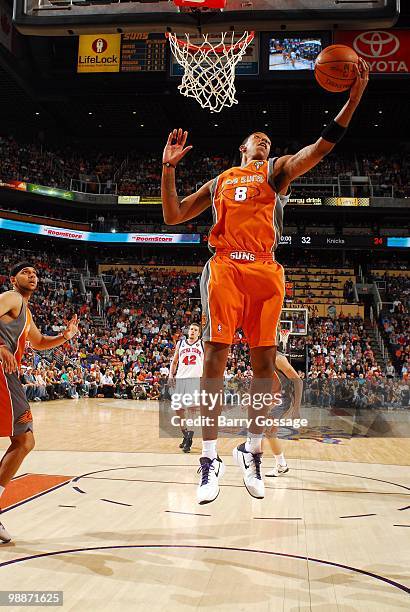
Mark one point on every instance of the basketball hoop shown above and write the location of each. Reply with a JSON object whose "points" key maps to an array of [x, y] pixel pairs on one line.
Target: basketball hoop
{"points": [[209, 67], [284, 337]]}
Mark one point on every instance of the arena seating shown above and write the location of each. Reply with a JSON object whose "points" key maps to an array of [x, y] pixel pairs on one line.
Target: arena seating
{"points": [[387, 170], [47, 165], [143, 173], [126, 352], [318, 285], [139, 173], [356, 393], [341, 348], [394, 320]]}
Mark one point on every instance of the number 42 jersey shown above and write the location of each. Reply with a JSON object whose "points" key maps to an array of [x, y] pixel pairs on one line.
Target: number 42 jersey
{"points": [[191, 359]]}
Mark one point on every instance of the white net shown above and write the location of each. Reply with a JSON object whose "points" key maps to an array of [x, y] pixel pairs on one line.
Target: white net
{"points": [[209, 67], [284, 337]]}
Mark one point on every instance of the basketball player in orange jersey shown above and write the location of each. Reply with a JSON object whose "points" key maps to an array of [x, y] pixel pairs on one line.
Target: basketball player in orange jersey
{"points": [[242, 284], [17, 326]]}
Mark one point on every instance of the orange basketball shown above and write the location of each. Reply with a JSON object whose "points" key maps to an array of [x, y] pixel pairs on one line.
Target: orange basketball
{"points": [[334, 68]]}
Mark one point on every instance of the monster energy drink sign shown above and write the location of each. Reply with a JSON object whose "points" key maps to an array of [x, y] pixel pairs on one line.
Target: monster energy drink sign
{"points": [[52, 192]]}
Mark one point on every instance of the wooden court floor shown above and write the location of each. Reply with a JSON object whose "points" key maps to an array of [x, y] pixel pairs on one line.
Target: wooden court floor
{"points": [[105, 511]]}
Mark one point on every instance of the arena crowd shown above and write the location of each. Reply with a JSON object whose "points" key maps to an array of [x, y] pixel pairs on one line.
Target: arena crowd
{"points": [[126, 353], [137, 173]]}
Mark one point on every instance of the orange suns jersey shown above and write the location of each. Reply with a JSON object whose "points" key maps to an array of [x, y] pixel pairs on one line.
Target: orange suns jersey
{"points": [[247, 211]]}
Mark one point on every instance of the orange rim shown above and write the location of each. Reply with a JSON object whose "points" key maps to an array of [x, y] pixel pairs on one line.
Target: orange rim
{"points": [[221, 48]]}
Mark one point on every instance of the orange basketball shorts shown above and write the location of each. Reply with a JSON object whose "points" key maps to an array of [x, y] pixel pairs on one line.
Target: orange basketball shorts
{"points": [[240, 293]]}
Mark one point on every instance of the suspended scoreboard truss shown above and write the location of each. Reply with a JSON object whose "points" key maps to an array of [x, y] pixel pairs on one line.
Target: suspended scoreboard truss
{"points": [[73, 17]]}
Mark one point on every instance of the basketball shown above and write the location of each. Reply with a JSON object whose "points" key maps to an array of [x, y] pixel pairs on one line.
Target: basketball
{"points": [[334, 68]]}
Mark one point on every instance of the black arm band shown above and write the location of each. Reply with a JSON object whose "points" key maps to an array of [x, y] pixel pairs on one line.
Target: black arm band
{"points": [[333, 132]]}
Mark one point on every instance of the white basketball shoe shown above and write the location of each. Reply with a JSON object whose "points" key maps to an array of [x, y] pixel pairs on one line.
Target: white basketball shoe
{"points": [[278, 470], [5, 537], [250, 464], [210, 471]]}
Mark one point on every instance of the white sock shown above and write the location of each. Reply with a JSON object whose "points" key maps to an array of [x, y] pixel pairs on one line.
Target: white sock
{"points": [[253, 443], [209, 449], [280, 460], [1, 490]]}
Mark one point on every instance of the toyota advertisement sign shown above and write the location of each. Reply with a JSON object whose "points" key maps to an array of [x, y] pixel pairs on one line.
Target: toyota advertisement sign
{"points": [[386, 51]]}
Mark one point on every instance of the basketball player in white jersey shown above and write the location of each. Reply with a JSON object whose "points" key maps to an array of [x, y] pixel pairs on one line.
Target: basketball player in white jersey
{"points": [[284, 367], [185, 374]]}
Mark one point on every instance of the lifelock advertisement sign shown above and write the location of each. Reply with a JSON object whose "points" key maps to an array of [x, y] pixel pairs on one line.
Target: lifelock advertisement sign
{"points": [[99, 53]]}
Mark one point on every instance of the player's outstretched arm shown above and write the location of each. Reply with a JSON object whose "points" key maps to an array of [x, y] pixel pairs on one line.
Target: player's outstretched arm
{"points": [[45, 343], [289, 167], [176, 211]]}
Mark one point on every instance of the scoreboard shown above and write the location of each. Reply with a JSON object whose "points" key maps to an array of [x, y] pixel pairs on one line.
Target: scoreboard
{"points": [[332, 242], [342, 242], [143, 52]]}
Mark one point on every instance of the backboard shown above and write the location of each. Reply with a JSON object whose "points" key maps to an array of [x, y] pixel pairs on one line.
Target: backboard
{"points": [[295, 320], [72, 17]]}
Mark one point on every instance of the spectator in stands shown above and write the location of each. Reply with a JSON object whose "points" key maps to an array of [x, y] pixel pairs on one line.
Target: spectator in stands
{"points": [[66, 385], [29, 384], [390, 370], [121, 387], [107, 384], [41, 384], [53, 386]]}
